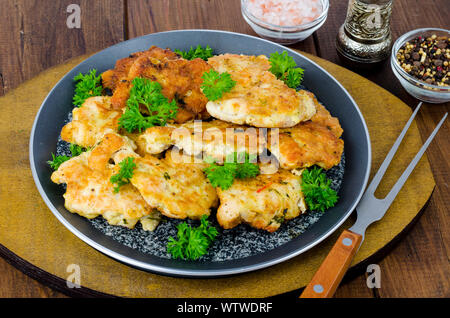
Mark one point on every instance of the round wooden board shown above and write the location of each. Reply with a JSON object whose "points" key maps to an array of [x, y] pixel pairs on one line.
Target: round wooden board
{"points": [[33, 239]]}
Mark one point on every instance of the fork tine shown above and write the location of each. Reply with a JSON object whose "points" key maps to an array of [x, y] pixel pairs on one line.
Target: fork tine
{"points": [[401, 181], [381, 171]]}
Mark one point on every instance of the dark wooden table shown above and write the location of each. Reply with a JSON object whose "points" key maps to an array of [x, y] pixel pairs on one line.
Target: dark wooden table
{"points": [[35, 37]]}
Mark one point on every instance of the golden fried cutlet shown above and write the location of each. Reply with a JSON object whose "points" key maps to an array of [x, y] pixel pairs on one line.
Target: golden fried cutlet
{"points": [[111, 78], [307, 144], [263, 202], [323, 117], [91, 121], [176, 190], [259, 99], [314, 142], [180, 80], [215, 139], [90, 192], [154, 140]]}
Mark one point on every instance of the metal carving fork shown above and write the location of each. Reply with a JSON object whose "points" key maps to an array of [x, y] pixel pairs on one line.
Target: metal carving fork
{"points": [[370, 209]]}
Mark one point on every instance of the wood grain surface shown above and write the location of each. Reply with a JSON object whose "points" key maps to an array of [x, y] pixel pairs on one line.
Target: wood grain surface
{"points": [[34, 37]]}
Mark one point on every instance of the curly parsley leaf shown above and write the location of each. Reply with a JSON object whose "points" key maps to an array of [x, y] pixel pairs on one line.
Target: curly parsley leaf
{"points": [[177, 247], [77, 150], [215, 84], [124, 175], [198, 52], [221, 176], [146, 93], [57, 161], [294, 77], [284, 68], [208, 231], [236, 166], [281, 63], [319, 196], [86, 86], [192, 243], [246, 165]]}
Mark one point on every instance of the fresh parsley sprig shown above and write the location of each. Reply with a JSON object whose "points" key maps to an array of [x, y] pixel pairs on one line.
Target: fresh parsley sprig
{"points": [[125, 173], [221, 176], [319, 196], [86, 86], [77, 150], [192, 243], [236, 166], [215, 84], [198, 52], [58, 160], [284, 68], [148, 94]]}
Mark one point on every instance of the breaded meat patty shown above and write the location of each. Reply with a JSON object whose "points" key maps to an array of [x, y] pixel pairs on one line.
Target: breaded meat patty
{"points": [[258, 99]]}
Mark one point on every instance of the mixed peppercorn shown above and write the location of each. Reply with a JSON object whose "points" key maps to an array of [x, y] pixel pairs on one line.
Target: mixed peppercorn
{"points": [[427, 59]]}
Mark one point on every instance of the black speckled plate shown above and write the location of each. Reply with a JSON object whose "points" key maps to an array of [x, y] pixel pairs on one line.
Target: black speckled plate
{"points": [[239, 250]]}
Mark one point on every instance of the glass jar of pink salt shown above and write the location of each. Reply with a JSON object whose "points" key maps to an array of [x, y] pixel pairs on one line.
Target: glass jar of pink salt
{"points": [[285, 21]]}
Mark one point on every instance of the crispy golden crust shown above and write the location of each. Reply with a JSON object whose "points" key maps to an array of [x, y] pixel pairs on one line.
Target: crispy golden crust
{"points": [[216, 139], [111, 78], [180, 80], [323, 117], [309, 143], [90, 192], [259, 99], [177, 190], [155, 140], [314, 142], [176, 156], [263, 202], [91, 121], [305, 145]]}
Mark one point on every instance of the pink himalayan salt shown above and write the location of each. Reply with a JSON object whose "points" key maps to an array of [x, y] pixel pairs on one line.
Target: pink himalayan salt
{"points": [[285, 12]]}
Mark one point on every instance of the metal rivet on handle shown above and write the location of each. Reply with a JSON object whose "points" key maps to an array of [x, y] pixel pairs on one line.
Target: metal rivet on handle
{"points": [[347, 241], [318, 288]]}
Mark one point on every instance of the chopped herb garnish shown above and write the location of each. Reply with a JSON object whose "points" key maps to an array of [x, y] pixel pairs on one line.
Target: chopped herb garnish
{"points": [[77, 150], [198, 52], [284, 68], [236, 166], [319, 196], [166, 176], [57, 161], [246, 168], [86, 86], [192, 243], [124, 175], [215, 84], [148, 94]]}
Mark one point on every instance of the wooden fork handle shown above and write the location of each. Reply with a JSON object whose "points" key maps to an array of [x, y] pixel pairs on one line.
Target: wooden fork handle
{"points": [[330, 273]]}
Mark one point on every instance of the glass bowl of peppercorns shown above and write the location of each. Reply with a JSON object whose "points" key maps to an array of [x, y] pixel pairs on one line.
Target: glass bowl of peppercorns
{"points": [[421, 61]]}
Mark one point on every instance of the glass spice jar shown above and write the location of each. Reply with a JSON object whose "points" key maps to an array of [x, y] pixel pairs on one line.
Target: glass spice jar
{"points": [[365, 37]]}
